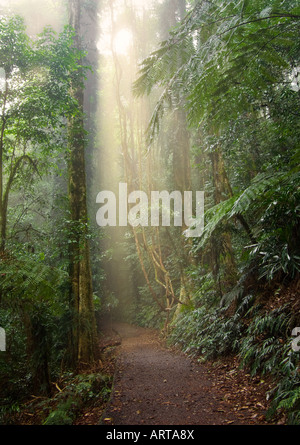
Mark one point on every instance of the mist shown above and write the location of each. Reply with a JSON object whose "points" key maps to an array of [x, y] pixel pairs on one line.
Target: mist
{"points": [[149, 204]]}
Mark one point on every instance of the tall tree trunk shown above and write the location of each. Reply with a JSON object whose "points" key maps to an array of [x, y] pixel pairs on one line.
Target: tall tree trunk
{"points": [[222, 190], [3, 213], [181, 153], [84, 335]]}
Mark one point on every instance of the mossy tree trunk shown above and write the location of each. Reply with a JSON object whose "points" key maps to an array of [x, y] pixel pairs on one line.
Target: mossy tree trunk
{"points": [[84, 324], [222, 190]]}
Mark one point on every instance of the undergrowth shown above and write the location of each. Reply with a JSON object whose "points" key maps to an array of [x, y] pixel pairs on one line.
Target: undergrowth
{"points": [[261, 338], [84, 391], [80, 392]]}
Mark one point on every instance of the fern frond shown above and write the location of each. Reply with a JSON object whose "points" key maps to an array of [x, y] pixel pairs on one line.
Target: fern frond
{"points": [[262, 186]]}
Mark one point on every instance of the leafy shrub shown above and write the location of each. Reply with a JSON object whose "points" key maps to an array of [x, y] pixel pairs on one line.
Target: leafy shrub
{"points": [[63, 415], [266, 349], [83, 390], [210, 333], [286, 394], [261, 340], [261, 349], [145, 312]]}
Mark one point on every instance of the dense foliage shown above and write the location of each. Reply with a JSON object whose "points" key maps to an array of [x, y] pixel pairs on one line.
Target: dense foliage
{"points": [[36, 227], [233, 67], [206, 97]]}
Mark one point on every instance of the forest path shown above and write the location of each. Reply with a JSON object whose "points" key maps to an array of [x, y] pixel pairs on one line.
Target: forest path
{"points": [[155, 385]]}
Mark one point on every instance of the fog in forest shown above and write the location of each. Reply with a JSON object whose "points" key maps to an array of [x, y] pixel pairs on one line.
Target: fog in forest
{"points": [[149, 190], [115, 41]]}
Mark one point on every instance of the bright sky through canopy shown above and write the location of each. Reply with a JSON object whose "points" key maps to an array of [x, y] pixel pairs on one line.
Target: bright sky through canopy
{"points": [[122, 41]]}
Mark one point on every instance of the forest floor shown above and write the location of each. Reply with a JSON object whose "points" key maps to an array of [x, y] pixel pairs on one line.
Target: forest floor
{"points": [[158, 385], [155, 384]]}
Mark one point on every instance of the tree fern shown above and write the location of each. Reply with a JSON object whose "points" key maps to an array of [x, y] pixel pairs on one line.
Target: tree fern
{"points": [[254, 197], [229, 48], [261, 184], [214, 217]]}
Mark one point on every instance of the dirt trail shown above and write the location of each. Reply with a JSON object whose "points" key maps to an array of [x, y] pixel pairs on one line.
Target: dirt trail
{"points": [[157, 386]]}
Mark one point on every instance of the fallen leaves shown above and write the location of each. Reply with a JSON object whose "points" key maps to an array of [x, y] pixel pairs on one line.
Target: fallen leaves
{"points": [[243, 394], [153, 385]]}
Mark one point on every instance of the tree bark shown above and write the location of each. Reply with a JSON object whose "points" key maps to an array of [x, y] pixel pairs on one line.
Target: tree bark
{"points": [[84, 325], [222, 189], [3, 119]]}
